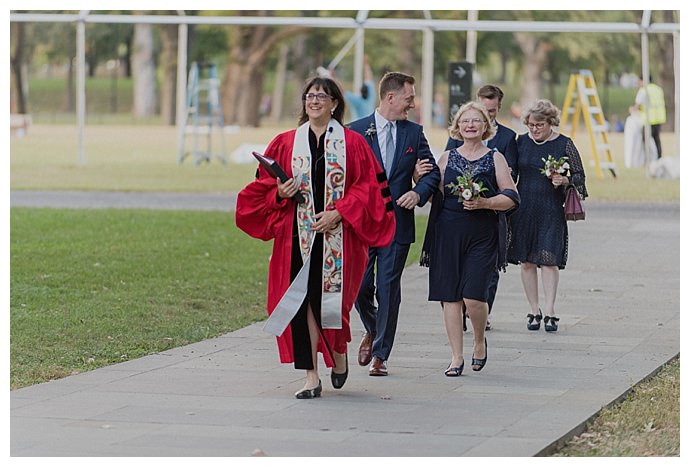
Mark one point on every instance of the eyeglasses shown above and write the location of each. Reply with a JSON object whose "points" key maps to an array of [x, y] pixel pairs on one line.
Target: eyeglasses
{"points": [[321, 97], [538, 126], [474, 121]]}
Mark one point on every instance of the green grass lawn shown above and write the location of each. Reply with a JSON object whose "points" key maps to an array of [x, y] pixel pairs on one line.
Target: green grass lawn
{"points": [[92, 288]]}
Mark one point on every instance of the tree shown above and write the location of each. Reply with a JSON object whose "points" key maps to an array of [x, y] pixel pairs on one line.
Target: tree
{"points": [[144, 72], [244, 73], [535, 50], [17, 62], [168, 61]]}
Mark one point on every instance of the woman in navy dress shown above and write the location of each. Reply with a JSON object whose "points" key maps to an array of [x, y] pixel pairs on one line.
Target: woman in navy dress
{"points": [[461, 246], [539, 229]]}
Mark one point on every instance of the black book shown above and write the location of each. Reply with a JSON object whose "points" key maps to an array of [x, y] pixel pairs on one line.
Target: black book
{"points": [[276, 171]]}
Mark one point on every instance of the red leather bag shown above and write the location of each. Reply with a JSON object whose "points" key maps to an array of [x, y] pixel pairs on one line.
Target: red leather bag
{"points": [[573, 208]]}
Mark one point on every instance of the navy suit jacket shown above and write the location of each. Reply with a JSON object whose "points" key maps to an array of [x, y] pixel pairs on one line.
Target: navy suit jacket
{"points": [[504, 142], [410, 145]]}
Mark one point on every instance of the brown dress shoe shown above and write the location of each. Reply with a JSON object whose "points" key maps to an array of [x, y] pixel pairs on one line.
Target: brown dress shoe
{"points": [[378, 367], [364, 356]]}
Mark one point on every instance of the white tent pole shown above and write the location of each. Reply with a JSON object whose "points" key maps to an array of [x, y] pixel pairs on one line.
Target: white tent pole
{"points": [[81, 84], [471, 49], [358, 77], [644, 46], [676, 97], [346, 48], [181, 113], [359, 50]]}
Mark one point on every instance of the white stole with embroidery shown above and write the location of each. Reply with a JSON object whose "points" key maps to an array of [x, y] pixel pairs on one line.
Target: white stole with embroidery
{"points": [[332, 270]]}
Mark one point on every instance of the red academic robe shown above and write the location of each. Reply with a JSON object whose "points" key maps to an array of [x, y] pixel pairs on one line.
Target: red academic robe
{"points": [[367, 222]]}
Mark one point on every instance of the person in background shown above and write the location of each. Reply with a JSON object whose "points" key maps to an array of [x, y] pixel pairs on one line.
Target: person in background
{"points": [[462, 245], [440, 111], [364, 102], [504, 142], [320, 246], [650, 102], [397, 144], [539, 229]]}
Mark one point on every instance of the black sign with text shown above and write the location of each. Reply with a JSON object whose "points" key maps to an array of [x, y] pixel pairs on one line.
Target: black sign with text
{"points": [[459, 86]]}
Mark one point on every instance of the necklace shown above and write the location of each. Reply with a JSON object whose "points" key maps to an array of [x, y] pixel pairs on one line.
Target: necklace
{"points": [[539, 143]]}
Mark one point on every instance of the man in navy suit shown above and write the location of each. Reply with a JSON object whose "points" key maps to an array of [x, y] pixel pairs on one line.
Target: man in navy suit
{"points": [[504, 141], [398, 144]]}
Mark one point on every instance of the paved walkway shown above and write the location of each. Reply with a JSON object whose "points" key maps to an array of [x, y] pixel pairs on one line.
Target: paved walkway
{"points": [[619, 302]]}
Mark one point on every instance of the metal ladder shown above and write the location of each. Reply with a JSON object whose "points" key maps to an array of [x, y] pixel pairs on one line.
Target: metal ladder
{"points": [[204, 113], [582, 97]]}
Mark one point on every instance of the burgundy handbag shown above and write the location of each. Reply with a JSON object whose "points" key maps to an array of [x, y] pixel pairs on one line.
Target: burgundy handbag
{"points": [[574, 211]]}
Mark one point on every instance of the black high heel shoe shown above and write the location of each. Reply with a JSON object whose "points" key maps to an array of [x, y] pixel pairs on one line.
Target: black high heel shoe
{"points": [[310, 393], [338, 379], [480, 362], [455, 371], [534, 321], [464, 317], [553, 327]]}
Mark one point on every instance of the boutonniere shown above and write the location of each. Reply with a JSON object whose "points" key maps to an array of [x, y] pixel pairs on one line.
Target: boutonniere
{"points": [[409, 150], [371, 131]]}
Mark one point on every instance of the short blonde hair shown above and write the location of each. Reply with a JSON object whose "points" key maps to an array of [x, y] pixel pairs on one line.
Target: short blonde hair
{"points": [[454, 128], [543, 110]]}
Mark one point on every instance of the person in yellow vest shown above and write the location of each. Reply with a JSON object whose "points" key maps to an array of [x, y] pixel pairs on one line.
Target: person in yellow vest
{"points": [[650, 102]]}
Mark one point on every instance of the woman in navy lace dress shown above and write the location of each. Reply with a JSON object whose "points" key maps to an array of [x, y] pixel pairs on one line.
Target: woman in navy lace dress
{"points": [[539, 229], [461, 246]]}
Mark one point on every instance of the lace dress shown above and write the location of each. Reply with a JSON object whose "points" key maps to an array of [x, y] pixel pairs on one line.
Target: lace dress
{"points": [[539, 229], [464, 251]]}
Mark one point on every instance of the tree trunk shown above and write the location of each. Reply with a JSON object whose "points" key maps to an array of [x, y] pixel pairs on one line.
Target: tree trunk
{"points": [[169, 66], [504, 66], [408, 63], [535, 53], [279, 88], [300, 70], [143, 72], [18, 95], [241, 91]]}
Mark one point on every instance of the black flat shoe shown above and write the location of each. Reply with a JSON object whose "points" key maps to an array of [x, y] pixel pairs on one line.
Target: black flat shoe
{"points": [[455, 371], [310, 393], [480, 362], [338, 379], [534, 321], [553, 327]]}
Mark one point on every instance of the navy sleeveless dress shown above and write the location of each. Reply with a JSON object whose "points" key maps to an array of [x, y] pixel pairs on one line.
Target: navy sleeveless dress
{"points": [[464, 253]]}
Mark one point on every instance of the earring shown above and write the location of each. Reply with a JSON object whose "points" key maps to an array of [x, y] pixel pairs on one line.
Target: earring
{"points": [[332, 110]]}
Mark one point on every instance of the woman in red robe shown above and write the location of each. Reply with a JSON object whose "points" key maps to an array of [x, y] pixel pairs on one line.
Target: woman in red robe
{"points": [[320, 245]]}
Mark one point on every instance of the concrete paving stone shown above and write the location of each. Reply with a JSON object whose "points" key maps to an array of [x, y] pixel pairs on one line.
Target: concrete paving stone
{"points": [[91, 438], [178, 440], [620, 321], [504, 446]]}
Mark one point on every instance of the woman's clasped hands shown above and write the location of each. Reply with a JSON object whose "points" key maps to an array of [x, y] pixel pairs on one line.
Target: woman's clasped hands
{"points": [[326, 221], [476, 203], [559, 180]]}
